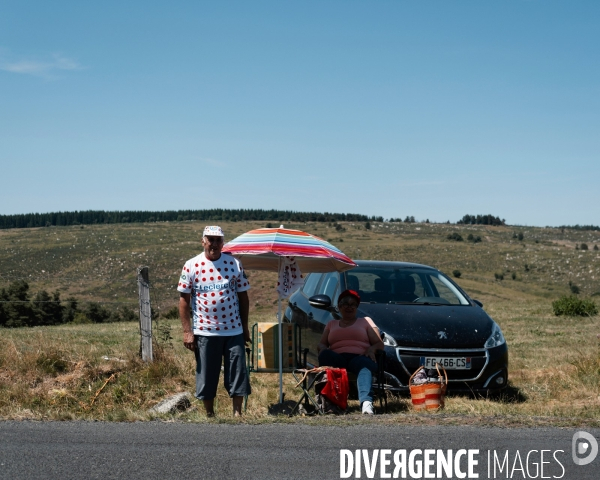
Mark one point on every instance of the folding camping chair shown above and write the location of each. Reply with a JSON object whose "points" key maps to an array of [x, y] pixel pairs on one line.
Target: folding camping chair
{"points": [[307, 379]]}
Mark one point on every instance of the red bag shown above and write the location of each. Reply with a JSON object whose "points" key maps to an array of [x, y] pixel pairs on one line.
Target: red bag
{"points": [[336, 389]]}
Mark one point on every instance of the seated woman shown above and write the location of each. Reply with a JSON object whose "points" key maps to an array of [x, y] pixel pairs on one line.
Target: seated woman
{"points": [[351, 343]]}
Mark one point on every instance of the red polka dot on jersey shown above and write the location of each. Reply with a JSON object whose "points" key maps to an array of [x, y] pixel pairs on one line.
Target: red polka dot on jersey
{"points": [[196, 264], [206, 294], [226, 276], [222, 301], [209, 329], [223, 308], [221, 293], [212, 294], [204, 279], [196, 280], [214, 302], [201, 321], [211, 270], [214, 309], [212, 278], [219, 277], [215, 317], [226, 269], [205, 303], [224, 316], [184, 285], [226, 328], [203, 271], [218, 328], [208, 321], [201, 328], [203, 263]]}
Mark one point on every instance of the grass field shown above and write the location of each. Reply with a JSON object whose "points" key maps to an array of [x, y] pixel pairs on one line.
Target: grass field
{"points": [[92, 371]]}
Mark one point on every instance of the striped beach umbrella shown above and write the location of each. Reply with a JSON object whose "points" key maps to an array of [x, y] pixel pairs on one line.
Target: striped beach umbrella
{"points": [[261, 249]]}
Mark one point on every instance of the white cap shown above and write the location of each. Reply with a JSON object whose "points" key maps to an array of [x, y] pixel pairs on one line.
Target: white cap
{"points": [[213, 231]]}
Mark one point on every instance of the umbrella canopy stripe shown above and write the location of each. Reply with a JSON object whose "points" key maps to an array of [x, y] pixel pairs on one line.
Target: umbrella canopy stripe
{"points": [[285, 242], [261, 238]]}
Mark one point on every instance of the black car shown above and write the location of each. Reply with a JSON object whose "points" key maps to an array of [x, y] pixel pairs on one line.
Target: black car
{"points": [[423, 317]]}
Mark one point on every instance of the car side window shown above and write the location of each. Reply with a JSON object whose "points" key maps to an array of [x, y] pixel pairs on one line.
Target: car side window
{"points": [[329, 286], [310, 284]]}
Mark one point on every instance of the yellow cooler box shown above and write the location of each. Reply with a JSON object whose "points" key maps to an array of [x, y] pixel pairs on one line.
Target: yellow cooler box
{"points": [[266, 346]]}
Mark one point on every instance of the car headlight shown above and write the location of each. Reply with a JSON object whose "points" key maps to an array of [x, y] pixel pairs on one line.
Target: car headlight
{"points": [[388, 340], [496, 338]]}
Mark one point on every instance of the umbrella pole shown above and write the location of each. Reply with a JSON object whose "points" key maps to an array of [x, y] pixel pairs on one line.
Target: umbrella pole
{"points": [[280, 352], [280, 345]]}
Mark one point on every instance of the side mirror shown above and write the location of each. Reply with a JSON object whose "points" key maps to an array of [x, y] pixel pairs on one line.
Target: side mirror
{"points": [[322, 302], [478, 302]]}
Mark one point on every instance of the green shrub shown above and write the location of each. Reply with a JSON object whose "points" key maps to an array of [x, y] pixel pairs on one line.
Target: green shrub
{"points": [[514, 275], [596, 247], [573, 306], [457, 237], [574, 288], [499, 276], [583, 246], [368, 225], [172, 313], [456, 273], [520, 236]]}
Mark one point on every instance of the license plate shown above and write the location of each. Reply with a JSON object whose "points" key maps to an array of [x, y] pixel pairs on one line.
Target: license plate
{"points": [[449, 363]]}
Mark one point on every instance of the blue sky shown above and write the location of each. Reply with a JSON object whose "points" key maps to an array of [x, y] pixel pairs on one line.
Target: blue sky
{"points": [[427, 108]]}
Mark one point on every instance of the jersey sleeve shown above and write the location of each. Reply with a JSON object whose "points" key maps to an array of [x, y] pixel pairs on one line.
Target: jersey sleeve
{"points": [[242, 280], [186, 279]]}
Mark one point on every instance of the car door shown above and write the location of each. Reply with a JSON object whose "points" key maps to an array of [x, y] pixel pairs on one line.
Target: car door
{"points": [[303, 314]]}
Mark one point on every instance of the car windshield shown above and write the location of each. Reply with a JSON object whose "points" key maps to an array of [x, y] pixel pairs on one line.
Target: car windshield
{"points": [[403, 285]]}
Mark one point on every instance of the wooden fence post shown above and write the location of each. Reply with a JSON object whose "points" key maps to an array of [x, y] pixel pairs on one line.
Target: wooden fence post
{"points": [[145, 314]]}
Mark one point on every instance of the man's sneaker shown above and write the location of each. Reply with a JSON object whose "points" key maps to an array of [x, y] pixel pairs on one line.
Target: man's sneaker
{"points": [[367, 408]]}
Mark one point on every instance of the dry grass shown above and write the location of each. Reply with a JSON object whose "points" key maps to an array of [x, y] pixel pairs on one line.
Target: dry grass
{"points": [[93, 371], [62, 372]]}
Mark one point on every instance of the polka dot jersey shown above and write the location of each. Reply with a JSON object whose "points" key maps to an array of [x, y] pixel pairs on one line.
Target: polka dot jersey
{"points": [[214, 287]]}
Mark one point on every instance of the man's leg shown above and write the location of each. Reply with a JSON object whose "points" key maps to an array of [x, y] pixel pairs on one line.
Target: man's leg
{"points": [[236, 379], [209, 406], [237, 406], [208, 368]]}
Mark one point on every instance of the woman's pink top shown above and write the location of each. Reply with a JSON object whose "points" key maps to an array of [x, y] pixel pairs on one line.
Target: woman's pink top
{"points": [[352, 339]]}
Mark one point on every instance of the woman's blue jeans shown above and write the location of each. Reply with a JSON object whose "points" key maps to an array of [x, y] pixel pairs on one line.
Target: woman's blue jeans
{"points": [[360, 365]]}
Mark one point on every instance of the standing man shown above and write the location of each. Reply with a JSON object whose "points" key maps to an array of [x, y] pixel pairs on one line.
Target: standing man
{"points": [[214, 285]]}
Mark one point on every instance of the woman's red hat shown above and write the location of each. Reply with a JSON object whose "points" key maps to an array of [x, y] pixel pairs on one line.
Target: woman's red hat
{"points": [[349, 293]]}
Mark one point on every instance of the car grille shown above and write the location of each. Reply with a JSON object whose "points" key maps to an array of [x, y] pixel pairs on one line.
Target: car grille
{"points": [[410, 359]]}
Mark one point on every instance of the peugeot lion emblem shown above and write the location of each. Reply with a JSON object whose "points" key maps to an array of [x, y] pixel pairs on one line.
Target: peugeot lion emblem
{"points": [[442, 335]]}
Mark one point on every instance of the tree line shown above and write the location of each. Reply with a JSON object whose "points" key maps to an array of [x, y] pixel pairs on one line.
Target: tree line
{"points": [[581, 227], [481, 220], [91, 217], [18, 308]]}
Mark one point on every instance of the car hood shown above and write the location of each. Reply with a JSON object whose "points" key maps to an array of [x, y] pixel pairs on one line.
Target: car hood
{"points": [[431, 326]]}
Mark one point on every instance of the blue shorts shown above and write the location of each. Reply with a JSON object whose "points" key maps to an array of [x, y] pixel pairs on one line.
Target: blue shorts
{"points": [[209, 353]]}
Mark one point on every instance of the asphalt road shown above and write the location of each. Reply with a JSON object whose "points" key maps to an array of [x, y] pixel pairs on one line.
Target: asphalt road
{"points": [[155, 450]]}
